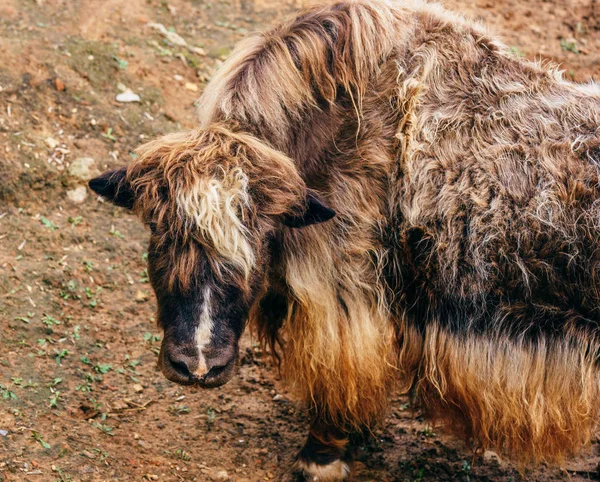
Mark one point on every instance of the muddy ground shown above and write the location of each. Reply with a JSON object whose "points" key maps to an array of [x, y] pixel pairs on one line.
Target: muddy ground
{"points": [[80, 396]]}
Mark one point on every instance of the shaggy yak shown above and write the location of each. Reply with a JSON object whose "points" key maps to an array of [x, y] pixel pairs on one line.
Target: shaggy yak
{"points": [[395, 203]]}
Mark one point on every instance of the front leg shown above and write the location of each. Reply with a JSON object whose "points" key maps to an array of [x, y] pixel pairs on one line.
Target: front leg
{"points": [[322, 457]]}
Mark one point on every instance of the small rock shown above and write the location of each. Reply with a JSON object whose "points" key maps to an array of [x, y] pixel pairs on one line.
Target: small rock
{"points": [[77, 195], [118, 405], [3, 433], [219, 475], [491, 456], [83, 168], [277, 398], [141, 296], [59, 84], [128, 96], [138, 388], [178, 77], [88, 454], [191, 86], [51, 142], [197, 50], [172, 37]]}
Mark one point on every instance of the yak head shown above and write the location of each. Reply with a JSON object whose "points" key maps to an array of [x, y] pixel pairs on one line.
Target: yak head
{"points": [[213, 200]]}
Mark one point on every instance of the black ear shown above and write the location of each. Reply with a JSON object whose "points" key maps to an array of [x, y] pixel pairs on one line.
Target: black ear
{"points": [[315, 211], [113, 186]]}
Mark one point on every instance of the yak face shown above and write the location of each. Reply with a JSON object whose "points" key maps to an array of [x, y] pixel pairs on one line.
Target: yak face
{"points": [[213, 200]]}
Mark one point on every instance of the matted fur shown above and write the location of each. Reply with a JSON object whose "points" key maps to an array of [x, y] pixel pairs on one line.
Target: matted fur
{"points": [[463, 259]]}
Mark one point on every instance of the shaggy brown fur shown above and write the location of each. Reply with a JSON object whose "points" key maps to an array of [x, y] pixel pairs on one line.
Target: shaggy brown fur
{"points": [[463, 261], [195, 186]]}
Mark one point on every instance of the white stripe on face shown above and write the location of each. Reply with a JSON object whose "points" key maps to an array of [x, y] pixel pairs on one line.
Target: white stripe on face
{"points": [[204, 332]]}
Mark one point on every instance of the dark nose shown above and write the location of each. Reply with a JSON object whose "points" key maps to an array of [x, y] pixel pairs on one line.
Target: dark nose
{"points": [[179, 365], [184, 365]]}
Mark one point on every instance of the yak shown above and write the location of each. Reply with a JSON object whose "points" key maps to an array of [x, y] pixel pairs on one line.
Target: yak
{"points": [[397, 204]]}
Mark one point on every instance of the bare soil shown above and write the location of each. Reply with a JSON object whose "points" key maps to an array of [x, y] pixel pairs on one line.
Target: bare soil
{"points": [[80, 395]]}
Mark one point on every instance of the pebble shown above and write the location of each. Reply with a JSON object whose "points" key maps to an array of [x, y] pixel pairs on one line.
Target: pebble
{"points": [[83, 168], [491, 456], [172, 37], [51, 142], [77, 195], [191, 86], [138, 388], [197, 50], [140, 296], [219, 475], [128, 96], [3, 433], [118, 405]]}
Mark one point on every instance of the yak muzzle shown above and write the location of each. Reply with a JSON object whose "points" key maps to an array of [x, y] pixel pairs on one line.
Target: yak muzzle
{"points": [[186, 365]]}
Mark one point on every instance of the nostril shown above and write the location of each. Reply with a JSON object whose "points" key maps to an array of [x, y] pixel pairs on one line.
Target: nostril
{"points": [[179, 362], [180, 367], [215, 371]]}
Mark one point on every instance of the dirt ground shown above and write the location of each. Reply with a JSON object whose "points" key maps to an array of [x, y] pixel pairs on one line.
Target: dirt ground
{"points": [[80, 395]]}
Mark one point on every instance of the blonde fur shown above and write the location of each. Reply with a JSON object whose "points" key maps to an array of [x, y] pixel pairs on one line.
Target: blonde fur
{"points": [[215, 206], [340, 348], [513, 394]]}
